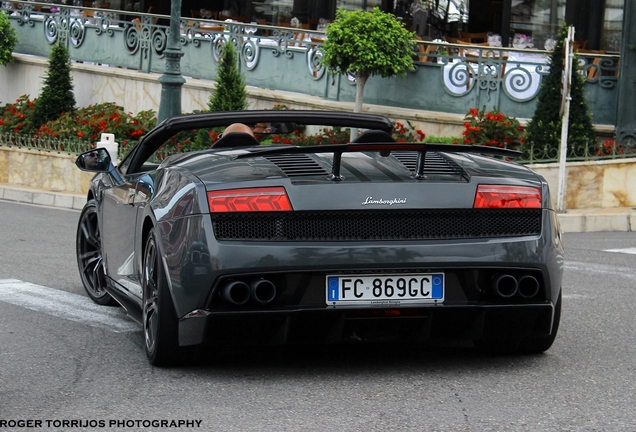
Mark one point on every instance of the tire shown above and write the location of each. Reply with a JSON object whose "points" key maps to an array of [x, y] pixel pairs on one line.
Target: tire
{"points": [[90, 262], [160, 321], [528, 345]]}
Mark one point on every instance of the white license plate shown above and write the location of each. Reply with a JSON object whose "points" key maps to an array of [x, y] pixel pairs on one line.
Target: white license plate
{"points": [[385, 290]]}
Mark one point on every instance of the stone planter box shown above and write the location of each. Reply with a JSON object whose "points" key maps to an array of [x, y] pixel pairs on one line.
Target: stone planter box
{"points": [[43, 170], [594, 184]]}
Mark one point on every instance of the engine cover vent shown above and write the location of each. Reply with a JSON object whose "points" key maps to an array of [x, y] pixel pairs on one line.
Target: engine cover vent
{"points": [[435, 163], [299, 165]]}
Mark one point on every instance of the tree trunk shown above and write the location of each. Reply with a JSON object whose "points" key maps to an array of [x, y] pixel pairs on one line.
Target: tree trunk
{"points": [[361, 80]]}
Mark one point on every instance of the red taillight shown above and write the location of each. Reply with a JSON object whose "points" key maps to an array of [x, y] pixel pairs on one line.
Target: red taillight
{"points": [[498, 196], [249, 200]]}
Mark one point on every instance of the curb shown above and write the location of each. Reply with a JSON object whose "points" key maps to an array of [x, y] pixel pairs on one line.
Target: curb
{"points": [[50, 199], [598, 219]]}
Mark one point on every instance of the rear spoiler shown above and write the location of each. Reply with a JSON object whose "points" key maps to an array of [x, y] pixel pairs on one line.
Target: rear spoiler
{"points": [[385, 149]]}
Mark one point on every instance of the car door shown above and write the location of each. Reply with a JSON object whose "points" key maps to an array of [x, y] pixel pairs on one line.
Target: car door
{"points": [[120, 206]]}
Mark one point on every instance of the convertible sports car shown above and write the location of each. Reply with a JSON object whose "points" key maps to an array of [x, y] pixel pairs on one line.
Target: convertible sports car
{"points": [[250, 242]]}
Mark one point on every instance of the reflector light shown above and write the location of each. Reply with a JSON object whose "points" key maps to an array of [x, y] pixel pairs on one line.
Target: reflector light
{"points": [[498, 196], [249, 200]]}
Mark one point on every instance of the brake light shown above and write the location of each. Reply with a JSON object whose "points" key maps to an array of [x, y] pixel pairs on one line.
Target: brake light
{"points": [[498, 196], [249, 200]]}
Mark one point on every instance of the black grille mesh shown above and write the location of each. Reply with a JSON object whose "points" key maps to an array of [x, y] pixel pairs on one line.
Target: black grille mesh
{"points": [[376, 225]]}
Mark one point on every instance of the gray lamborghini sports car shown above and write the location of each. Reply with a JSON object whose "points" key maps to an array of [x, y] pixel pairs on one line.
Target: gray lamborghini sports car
{"points": [[285, 241]]}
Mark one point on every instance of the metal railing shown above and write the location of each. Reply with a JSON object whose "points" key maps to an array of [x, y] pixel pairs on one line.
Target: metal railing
{"points": [[51, 144], [531, 154], [608, 149]]}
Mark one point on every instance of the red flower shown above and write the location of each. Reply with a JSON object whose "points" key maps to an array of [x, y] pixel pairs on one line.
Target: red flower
{"points": [[491, 128]]}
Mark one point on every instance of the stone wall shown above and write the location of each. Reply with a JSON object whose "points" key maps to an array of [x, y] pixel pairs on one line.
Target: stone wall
{"points": [[597, 184], [44, 170], [594, 184]]}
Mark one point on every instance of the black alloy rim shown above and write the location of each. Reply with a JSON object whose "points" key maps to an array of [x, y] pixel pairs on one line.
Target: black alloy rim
{"points": [[90, 255], [150, 313]]}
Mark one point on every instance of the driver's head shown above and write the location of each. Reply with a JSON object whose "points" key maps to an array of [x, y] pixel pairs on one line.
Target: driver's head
{"points": [[91, 159], [238, 127], [262, 128]]}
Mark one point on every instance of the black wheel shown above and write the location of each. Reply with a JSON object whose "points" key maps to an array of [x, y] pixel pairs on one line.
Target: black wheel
{"points": [[89, 256], [159, 316], [528, 345]]}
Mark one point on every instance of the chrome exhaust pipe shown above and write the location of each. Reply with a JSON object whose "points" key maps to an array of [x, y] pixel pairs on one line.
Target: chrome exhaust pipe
{"points": [[236, 292], [505, 285], [263, 291], [528, 286]]}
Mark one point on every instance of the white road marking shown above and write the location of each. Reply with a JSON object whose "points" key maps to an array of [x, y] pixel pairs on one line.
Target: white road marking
{"points": [[626, 272], [626, 250], [65, 305]]}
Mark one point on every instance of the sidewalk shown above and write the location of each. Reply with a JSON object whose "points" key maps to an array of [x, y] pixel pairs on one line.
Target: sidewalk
{"points": [[578, 220]]}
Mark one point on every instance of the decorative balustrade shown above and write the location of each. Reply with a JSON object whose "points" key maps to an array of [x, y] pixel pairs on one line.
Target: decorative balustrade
{"points": [[448, 77]]}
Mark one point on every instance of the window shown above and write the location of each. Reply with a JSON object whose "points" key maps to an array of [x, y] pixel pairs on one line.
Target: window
{"points": [[612, 26], [358, 4], [538, 19]]}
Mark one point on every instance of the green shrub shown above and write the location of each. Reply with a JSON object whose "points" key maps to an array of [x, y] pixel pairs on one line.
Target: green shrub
{"points": [[544, 130], [89, 123], [17, 117], [8, 39], [230, 93], [57, 95], [492, 128]]}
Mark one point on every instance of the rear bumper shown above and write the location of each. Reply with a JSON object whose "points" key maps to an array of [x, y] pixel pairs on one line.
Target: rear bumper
{"points": [[357, 325]]}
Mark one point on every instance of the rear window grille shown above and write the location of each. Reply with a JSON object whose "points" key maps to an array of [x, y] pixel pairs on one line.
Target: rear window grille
{"points": [[323, 226]]}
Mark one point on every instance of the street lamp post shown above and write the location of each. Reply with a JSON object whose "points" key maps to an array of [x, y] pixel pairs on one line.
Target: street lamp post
{"points": [[172, 80]]}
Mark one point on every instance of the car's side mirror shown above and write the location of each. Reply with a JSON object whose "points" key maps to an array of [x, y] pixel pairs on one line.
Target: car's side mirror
{"points": [[97, 160]]}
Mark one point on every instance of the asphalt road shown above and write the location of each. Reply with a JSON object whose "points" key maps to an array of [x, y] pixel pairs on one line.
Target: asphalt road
{"points": [[68, 366]]}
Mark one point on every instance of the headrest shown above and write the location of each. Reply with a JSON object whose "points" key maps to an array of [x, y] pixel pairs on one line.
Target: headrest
{"points": [[236, 139], [373, 136]]}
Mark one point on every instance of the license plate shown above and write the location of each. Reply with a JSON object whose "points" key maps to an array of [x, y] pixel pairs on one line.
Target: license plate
{"points": [[385, 290]]}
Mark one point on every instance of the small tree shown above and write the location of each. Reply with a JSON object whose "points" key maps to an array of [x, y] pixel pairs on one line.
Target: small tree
{"points": [[545, 127], [229, 93], [57, 95], [365, 44], [8, 39]]}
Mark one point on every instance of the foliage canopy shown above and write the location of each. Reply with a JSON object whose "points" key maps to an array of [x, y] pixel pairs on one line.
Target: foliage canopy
{"points": [[8, 39], [366, 44]]}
